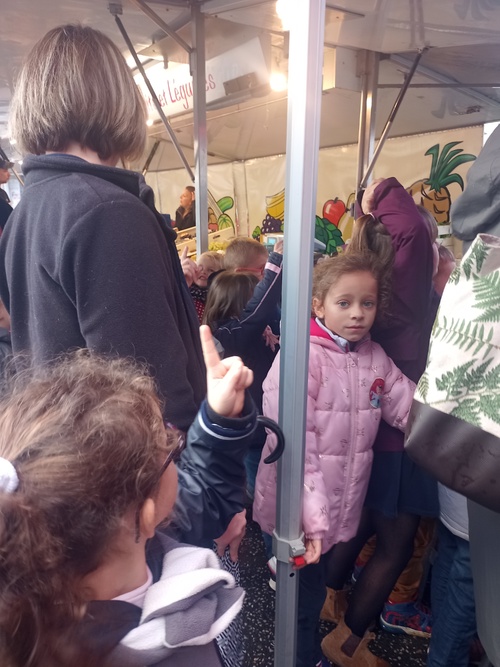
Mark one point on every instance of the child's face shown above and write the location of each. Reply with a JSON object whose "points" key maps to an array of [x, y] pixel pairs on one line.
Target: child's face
{"points": [[350, 305], [206, 266]]}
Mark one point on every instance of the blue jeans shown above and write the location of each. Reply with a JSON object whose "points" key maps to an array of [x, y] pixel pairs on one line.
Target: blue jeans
{"points": [[452, 600]]}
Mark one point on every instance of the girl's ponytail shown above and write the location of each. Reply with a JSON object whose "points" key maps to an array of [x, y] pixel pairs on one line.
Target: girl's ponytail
{"points": [[371, 236]]}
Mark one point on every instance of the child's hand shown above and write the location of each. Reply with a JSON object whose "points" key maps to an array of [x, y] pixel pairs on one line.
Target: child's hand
{"points": [[368, 200], [278, 247], [233, 536], [227, 379], [189, 268], [312, 554]]}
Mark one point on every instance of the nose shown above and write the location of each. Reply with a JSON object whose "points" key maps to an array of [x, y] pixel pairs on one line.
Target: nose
{"points": [[357, 312]]}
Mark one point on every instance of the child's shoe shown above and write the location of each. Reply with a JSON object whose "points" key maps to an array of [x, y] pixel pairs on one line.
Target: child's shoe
{"points": [[411, 618], [335, 605], [272, 564], [362, 656]]}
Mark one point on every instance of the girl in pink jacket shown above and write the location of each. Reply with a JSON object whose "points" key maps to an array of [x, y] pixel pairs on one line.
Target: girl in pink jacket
{"points": [[352, 386]]}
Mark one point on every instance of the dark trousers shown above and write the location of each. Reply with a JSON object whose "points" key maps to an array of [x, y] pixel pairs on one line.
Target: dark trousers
{"points": [[312, 594]]}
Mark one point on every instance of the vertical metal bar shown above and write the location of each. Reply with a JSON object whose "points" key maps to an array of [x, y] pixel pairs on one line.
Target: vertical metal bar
{"points": [[369, 61], [390, 119], [304, 114], [197, 63], [156, 102]]}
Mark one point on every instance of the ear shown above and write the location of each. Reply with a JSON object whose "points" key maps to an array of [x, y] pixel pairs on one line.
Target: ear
{"points": [[318, 308], [148, 518]]}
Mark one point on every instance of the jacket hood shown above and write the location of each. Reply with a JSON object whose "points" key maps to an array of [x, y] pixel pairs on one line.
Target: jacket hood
{"points": [[191, 604]]}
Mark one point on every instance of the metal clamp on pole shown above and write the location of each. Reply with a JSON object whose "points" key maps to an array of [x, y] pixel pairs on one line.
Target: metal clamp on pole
{"points": [[285, 549]]}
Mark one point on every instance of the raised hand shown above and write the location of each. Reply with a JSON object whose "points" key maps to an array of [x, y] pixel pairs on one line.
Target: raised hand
{"points": [[189, 268], [368, 200], [227, 379]]}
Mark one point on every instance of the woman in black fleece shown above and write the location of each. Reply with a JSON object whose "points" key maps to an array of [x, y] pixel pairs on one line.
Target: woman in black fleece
{"points": [[86, 260]]}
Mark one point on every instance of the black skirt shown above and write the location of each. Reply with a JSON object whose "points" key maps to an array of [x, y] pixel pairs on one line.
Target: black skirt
{"points": [[397, 485]]}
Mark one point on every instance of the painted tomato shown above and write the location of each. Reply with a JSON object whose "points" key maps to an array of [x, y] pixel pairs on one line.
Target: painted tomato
{"points": [[333, 210]]}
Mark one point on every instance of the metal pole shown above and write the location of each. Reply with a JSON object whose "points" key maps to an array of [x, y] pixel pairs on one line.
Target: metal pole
{"points": [[369, 62], [156, 102], [161, 23], [197, 64], [304, 114], [390, 119], [150, 157], [443, 78]]}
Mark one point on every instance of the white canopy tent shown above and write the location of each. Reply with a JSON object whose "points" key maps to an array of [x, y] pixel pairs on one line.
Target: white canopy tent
{"points": [[368, 47]]}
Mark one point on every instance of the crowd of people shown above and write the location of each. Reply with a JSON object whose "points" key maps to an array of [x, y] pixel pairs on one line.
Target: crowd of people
{"points": [[130, 446]]}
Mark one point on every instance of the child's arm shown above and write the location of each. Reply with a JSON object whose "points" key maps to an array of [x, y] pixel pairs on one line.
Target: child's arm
{"points": [[259, 311], [211, 470], [397, 397]]}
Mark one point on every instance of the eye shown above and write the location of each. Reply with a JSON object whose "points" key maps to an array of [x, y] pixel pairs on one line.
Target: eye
{"points": [[369, 304], [343, 303]]}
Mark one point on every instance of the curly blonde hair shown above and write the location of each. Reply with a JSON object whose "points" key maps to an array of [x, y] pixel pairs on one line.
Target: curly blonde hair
{"points": [[87, 440]]}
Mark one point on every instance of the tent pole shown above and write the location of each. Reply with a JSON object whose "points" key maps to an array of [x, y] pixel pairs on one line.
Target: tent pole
{"points": [[197, 64], [390, 119], [114, 11], [304, 114], [368, 63]]}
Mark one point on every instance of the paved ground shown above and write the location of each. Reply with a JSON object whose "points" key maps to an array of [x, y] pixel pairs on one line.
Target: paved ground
{"points": [[398, 650]]}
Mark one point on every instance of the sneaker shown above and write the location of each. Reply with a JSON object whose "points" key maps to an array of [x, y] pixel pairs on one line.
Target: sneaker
{"points": [[411, 618], [272, 564], [358, 568]]}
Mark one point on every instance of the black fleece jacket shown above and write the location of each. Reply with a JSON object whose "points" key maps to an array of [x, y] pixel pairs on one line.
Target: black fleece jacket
{"points": [[86, 261]]}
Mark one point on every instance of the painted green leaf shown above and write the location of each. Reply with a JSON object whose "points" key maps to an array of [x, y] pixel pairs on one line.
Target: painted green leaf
{"points": [[468, 410]]}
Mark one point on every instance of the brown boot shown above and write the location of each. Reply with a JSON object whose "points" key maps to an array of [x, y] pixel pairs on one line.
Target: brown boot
{"points": [[335, 605], [362, 656]]}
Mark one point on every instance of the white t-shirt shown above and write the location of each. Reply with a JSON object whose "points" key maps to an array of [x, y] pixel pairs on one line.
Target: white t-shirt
{"points": [[453, 512]]}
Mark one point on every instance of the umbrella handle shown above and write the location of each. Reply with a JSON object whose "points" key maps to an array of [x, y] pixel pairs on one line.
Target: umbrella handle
{"points": [[274, 428]]}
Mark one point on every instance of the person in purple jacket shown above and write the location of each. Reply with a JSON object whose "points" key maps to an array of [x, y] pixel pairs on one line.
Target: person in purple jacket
{"points": [[399, 493]]}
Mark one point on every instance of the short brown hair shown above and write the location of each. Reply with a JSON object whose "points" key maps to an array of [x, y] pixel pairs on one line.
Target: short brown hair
{"points": [[329, 271], [87, 440], [229, 293], [76, 86], [241, 252]]}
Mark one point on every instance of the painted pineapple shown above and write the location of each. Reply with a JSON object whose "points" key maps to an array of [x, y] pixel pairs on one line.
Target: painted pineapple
{"points": [[433, 193]]}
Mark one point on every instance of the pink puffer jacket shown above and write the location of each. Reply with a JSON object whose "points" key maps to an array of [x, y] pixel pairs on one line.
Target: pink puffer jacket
{"points": [[349, 392]]}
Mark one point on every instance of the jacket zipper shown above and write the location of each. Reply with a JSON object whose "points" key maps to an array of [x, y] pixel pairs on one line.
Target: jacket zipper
{"points": [[353, 396]]}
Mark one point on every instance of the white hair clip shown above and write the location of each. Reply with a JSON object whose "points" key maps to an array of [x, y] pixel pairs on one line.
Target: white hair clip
{"points": [[9, 480]]}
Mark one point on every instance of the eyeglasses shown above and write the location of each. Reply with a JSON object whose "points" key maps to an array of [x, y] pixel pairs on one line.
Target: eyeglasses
{"points": [[179, 443]]}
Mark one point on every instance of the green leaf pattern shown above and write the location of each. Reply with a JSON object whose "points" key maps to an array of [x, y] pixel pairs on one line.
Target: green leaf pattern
{"points": [[463, 368]]}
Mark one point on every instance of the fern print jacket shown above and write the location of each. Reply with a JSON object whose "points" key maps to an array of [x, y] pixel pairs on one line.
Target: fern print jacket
{"points": [[349, 392]]}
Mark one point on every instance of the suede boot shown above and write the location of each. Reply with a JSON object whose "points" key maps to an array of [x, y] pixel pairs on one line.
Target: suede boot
{"points": [[335, 605], [362, 656]]}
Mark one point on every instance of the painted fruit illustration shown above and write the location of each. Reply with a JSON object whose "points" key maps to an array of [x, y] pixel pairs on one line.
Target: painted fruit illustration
{"points": [[328, 234], [346, 222], [225, 221], [212, 220], [432, 192], [333, 210], [275, 205]]}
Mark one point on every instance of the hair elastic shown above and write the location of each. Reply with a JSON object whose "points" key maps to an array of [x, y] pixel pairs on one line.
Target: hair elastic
{"points": [[9, 480]]}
